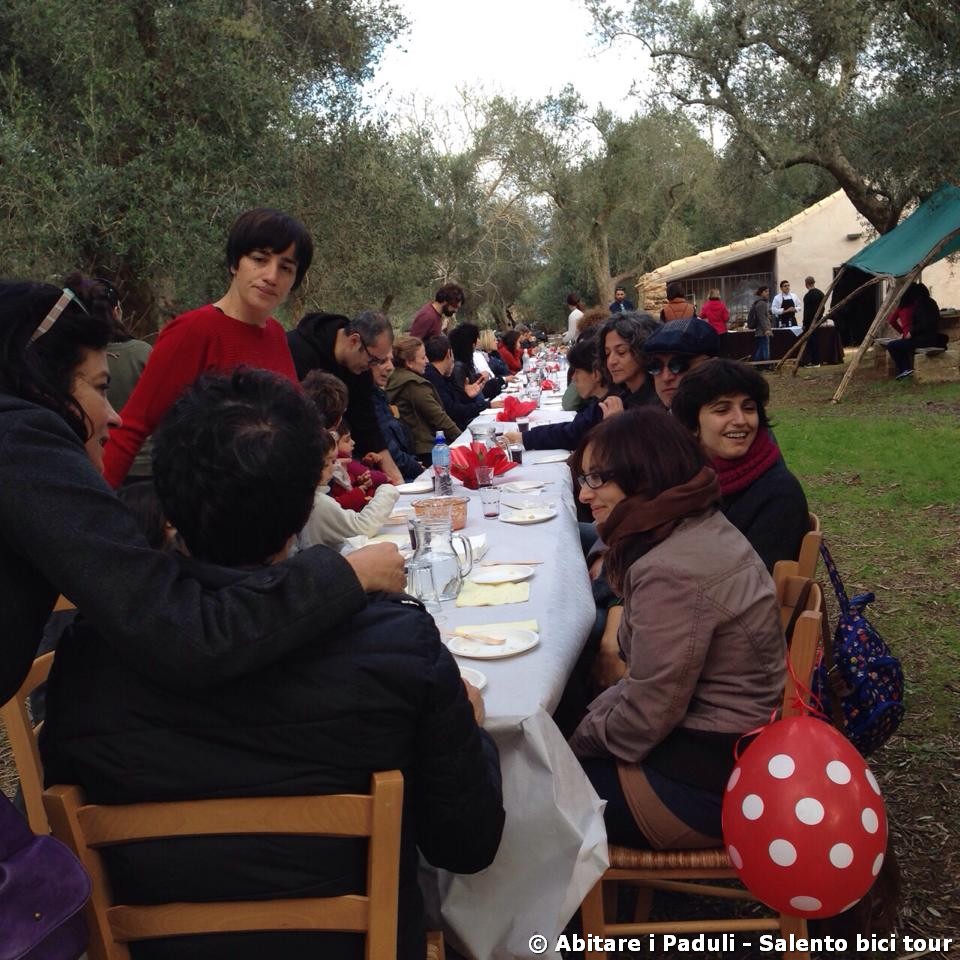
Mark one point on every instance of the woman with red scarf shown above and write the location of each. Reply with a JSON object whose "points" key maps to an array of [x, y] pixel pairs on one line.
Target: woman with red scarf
{"points": [[723, 402], [700, 635]]}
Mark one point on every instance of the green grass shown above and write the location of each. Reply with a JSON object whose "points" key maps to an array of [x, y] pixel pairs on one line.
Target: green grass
{"points": [[882, 469]]}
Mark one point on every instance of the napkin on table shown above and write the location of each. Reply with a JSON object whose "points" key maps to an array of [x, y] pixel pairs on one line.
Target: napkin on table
{"points": [[508, 625], [493, 594]]}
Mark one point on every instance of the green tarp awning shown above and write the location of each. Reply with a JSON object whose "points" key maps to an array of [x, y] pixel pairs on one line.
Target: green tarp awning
{"points": [[898, 252]]}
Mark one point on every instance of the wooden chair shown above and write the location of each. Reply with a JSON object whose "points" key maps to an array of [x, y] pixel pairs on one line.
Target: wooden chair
{"points": [[686, 870], [87, 828], [23, 733], [793, 592], [806, 563], [23, 742]]}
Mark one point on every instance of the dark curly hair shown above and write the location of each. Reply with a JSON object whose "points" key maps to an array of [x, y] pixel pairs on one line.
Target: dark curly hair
{"points": [[632, 326], [236, 463], [42, 370]]}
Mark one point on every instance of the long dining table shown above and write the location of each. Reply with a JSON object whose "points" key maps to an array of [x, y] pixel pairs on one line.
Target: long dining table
{"points": [[554, 843]]}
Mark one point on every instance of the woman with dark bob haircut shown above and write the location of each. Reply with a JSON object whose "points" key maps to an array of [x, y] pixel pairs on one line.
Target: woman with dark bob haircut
{"points": [[700, 635], [724, 404], [268, 253], [62, 530]]}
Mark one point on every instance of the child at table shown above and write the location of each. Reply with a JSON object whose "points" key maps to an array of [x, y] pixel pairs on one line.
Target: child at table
{"points": [[330, 523], [354, 482]]}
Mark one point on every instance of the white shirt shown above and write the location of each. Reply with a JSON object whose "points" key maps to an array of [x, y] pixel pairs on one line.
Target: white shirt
{"points": [[572, 322], [481, 363], [776, 308]]}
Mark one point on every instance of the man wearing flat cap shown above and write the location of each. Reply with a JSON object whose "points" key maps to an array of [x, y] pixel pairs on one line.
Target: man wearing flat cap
{"points": [[676, 348]]}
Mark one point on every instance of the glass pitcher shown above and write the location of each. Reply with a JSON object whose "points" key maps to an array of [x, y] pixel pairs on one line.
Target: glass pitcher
{"points": [[436, 552]]}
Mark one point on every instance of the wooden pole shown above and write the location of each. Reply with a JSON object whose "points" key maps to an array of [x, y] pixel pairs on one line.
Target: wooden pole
{"points": [[887, 308], [820, 317]]}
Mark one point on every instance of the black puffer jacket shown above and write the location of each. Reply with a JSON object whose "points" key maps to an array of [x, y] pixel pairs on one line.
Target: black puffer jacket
{"points": [[62, 529], [385, 694]]}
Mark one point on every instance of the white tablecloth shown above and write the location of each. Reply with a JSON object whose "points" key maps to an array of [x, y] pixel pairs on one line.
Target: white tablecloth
{"points": [[554, 843]]}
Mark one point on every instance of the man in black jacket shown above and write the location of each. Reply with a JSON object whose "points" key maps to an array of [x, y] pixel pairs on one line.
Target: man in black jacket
{"points": [[349, 349], [236, 469], [461, 405]]}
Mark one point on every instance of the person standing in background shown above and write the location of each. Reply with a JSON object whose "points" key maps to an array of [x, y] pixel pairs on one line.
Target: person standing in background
{"points": [[784, 306], [758, 320], [811, 304], [677, 306], [620, 302], [715, 312], [575, 306], [431, 319], [268, 255]]}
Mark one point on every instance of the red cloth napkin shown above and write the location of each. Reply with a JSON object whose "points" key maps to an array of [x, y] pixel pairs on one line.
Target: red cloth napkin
{"points": [[464, 461], [548, 385], [513, 408]]}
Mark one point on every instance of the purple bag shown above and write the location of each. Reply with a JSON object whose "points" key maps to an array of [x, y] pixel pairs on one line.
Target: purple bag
{"points": [[43, 888]]}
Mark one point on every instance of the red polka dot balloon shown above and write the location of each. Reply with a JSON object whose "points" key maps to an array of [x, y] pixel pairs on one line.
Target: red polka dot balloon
{"points": [[803, 820]]}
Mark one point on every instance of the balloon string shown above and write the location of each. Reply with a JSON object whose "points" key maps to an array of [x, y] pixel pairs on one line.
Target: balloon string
{"points": [[804, 701]]}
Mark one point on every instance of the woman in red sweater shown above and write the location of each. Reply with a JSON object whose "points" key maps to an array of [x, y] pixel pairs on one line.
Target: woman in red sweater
{"points": [[268, 253]]}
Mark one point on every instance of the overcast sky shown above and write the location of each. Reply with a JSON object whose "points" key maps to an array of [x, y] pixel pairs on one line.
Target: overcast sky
{"points": [[527, 48]]}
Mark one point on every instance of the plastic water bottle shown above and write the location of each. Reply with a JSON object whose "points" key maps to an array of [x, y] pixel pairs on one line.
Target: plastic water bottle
{"points": [[442, 482]]}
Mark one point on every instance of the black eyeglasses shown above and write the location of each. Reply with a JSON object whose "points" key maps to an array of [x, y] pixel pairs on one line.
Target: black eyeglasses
{"points": [[676, 365], [372, 359], [594, 480]]}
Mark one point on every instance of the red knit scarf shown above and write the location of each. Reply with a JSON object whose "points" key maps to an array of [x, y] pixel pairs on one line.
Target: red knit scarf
{"points": [[737, 474], [636, 525]]}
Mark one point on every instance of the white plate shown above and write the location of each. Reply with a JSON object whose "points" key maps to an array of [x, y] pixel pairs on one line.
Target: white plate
{"points": [[537, 515], [551, 458], [503, 573], [514, 639], [522, 486], [475, 677], [416, 486]]}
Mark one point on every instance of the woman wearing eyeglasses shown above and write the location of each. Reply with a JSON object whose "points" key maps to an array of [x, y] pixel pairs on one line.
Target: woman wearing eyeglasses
{"points": [[416, 398], [700, 635], [724, 404]]}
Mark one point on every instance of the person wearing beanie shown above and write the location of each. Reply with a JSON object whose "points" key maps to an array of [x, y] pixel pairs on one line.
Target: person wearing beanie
{"points": [[676, 348]]}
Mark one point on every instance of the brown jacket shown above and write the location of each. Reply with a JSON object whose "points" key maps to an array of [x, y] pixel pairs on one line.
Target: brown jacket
{"points": [[420, 409], [702, 640], [676, 309]]}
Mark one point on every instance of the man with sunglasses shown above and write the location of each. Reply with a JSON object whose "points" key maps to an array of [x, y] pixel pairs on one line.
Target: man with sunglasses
{"points": [[350, 349], [678, 347]]}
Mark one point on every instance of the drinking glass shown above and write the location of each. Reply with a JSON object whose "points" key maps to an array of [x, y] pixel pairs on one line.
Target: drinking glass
{"points": [[484, 476], [490, 498]]}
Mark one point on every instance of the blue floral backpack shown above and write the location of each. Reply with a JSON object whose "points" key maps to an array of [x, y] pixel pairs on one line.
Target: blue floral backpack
{"points": [[859, 682]]}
